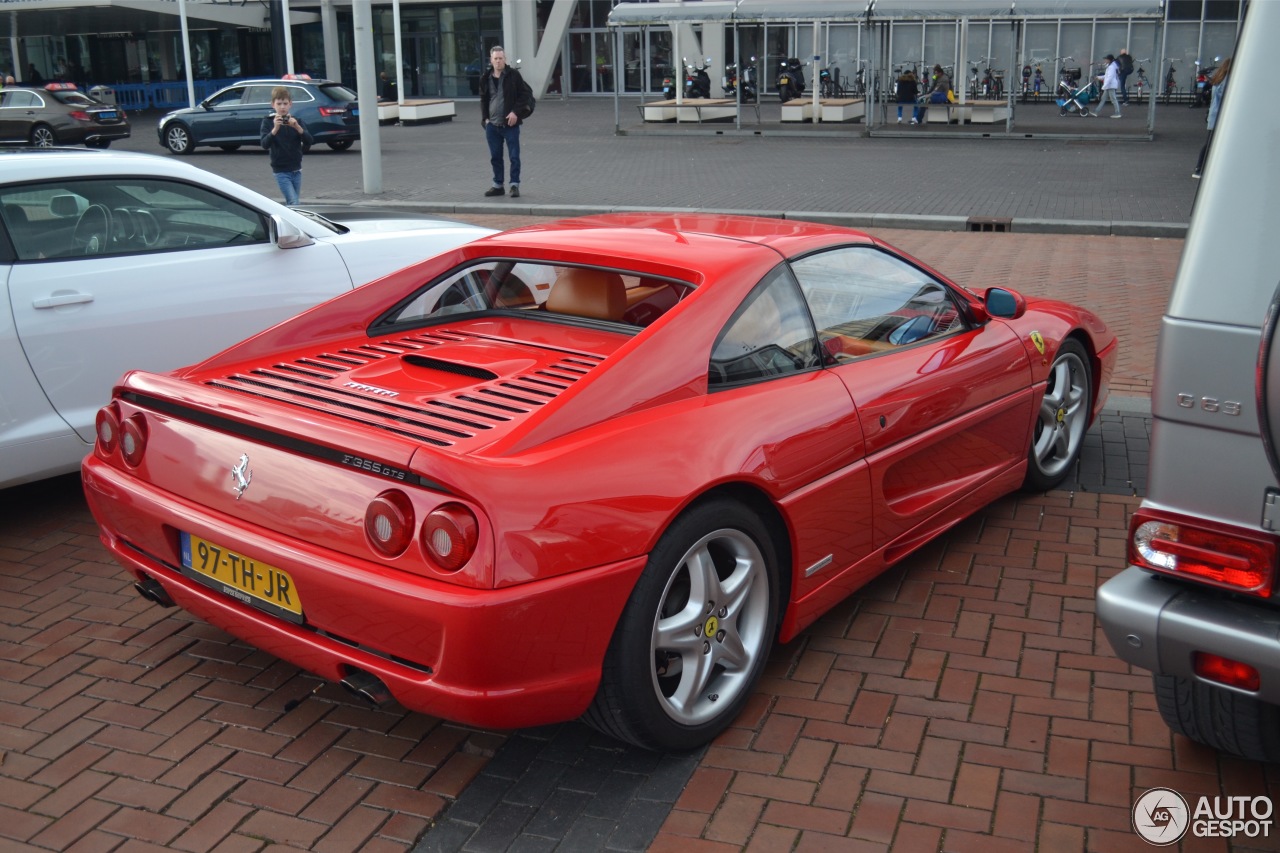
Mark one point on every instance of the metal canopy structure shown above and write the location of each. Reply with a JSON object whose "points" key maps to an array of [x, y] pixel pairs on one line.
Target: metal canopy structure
{"points": [[869, 14], [837, 11]]}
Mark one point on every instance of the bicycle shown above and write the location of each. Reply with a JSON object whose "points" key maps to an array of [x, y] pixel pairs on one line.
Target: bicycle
{"points": [[1170, 83], [1143, 84]]}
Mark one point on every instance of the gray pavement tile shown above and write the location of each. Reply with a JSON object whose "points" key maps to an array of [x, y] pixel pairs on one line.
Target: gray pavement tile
{"points": [[638, 825], [557, 815], [500, 830], [538, 782], [589, 833]]}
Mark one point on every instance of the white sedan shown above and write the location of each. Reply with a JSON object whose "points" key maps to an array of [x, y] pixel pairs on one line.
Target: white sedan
{"points": [[113, 261]]}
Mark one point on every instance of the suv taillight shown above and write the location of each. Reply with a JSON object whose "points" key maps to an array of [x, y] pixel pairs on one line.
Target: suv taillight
{"points": [[333, 111], [1231, 557]]}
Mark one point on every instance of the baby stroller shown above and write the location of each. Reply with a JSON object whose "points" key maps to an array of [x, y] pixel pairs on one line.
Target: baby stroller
{"points": [[1072, 97]]}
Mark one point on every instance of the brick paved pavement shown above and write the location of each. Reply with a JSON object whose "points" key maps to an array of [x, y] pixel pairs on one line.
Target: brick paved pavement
{"points": [[963, 699]]}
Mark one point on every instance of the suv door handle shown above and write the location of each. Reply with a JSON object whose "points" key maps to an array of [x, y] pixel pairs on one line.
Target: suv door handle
{"points": [[62, 299]]}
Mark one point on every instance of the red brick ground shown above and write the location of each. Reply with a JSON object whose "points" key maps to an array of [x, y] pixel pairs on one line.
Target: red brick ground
{"points": [[964, 700]]}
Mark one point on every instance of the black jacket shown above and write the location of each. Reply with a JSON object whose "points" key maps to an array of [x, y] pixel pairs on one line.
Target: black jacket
{"points": [[285, 147], [516, 94]]}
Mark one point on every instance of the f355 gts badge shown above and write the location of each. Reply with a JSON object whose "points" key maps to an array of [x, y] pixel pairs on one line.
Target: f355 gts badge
{"points": [[241, 476]]}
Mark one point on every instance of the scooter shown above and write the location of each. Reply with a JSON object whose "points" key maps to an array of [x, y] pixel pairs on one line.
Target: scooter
{"points": [[697, 83], [790, 80], [750, 90], [1204, 89]]}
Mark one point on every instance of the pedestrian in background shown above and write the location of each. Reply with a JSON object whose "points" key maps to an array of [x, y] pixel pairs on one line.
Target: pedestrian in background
{"points": [[1125, 62], [504, 98], [937, 92], [1219, 83], [284, 137], [1110, 86], [908, 92]]}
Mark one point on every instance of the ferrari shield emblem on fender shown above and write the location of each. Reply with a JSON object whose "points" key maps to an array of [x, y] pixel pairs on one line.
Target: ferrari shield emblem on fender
{"points": [[1038, 340]]}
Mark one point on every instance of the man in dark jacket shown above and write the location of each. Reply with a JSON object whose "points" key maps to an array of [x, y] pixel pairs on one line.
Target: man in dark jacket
{"points": [[1126, 68], [504, 98]]}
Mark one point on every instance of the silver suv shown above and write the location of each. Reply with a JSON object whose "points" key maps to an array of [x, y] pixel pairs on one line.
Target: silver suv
{"points": [[1199, 604]]}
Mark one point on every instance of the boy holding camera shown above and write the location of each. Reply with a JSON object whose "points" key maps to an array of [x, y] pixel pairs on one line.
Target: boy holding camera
{"points": [[284, 137]]}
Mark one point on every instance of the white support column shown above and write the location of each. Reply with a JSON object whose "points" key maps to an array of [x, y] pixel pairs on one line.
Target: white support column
{"points": [[713, 43], [395, 16], [288, 37], [186, 53], [332, 42], [367, 85]]}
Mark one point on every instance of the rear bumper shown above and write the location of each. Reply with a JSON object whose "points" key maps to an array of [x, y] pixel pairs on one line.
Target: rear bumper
{"points": [[1158, 624], [500, 658]]}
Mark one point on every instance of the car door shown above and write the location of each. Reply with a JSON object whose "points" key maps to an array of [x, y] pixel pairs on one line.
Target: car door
{"points": [[17, 114], [257, 105], [183, 273], [223, 116], [944, 402]]}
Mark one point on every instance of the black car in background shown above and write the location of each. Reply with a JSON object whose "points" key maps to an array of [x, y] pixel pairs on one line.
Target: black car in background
{"points": [[232, 117], [58, 114]]}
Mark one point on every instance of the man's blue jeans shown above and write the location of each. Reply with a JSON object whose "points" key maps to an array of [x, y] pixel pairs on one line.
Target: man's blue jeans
{"points": [[290, 184], [496, 135]]}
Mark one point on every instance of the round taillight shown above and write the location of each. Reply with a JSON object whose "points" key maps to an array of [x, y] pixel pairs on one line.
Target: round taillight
{"points": [[388, 522], [133, 440], [449, 536], [107, 425]]}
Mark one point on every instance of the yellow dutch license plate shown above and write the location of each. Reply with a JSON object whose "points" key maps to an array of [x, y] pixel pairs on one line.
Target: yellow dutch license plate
{"points": [[241, 577]]}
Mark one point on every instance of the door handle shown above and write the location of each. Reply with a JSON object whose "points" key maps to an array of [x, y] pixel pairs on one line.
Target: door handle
{"points": [[62, 299]]}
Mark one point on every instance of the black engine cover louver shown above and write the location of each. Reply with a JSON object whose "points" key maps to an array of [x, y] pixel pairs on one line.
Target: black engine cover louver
{"points": [[312, 382]]}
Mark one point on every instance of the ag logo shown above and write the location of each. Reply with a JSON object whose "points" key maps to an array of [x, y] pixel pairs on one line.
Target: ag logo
{"points": [[1161, 816]]}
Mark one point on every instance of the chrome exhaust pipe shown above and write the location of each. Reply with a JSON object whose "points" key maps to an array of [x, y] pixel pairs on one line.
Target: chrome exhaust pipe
{"points": [[368, 687], [150, 589]]}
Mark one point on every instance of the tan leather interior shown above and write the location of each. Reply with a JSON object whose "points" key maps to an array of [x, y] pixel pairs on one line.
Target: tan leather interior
{"points": [[597, 294]]}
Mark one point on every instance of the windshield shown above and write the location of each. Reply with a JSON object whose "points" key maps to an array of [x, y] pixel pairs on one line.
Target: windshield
{"points": [[545, 291]]}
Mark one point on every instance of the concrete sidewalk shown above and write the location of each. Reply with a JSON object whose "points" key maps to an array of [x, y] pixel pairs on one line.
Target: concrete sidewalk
{"points": [[574, 164]]}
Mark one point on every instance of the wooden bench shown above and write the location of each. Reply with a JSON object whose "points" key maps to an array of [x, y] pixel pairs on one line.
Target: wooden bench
{"points": [[798, 109], [978, 112], [842, 109], [987, 112], [690, 109], [426, 112]]}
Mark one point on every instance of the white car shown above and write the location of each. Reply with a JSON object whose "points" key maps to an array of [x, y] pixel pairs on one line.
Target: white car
{"points": [[113, 261]]}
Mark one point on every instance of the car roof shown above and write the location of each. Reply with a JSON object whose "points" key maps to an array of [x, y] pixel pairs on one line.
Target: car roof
{"points": [[31, 164], [706, 243]]}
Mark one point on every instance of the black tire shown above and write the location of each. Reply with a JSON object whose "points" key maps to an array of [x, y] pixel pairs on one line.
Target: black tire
{"points": [[1058, 435], [231, 147], [177, 138], [42, 136], [717, 552], [1218, 718], [341, 144]]}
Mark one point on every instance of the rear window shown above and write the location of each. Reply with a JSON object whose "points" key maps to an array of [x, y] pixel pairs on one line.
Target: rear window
{"points": [[338, 92], [544, 291], [75, 99]]}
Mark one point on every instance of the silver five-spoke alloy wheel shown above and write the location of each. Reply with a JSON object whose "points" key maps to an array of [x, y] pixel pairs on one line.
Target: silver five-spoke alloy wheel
{"points": [[711, 627]]}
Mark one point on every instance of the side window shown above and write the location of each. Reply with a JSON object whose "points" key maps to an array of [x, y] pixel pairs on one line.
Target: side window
{"points": [[228, 97], [258, 95], [770, 335], [866, 301], [297, 94], [22, 98], [63, 220]]}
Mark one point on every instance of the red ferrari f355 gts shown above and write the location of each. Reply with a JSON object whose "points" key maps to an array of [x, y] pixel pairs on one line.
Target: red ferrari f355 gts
{"points": [[593, 468]]}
